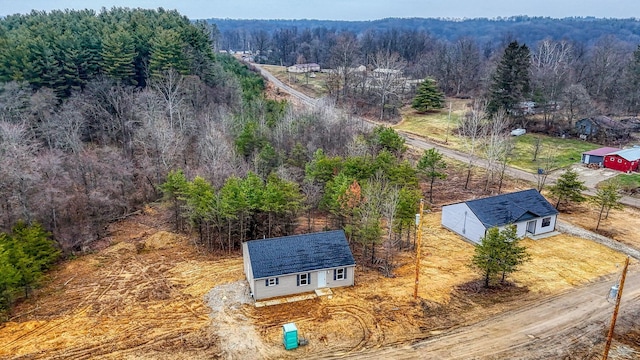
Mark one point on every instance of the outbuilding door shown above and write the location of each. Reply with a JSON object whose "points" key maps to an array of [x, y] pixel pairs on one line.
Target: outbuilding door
{"points": [[322, 279], [531, 227]]}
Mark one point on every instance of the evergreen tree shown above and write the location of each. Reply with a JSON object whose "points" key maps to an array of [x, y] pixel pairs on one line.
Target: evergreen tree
{"points": [[173, 189], [388, 139], [607, 197], [486, 259], [511, 80], [166, 53], [499, 252], [428, 97], [9, 276], [513, 254], [431, 165], [31, 252], [118, 55], [568, 188]]}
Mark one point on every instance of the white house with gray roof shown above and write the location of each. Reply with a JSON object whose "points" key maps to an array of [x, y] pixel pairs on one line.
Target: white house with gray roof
{"points": [[297, 264], [529, 211]]}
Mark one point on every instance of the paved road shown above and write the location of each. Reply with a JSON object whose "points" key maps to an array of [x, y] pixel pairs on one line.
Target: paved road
{"points": [[308, 100]]}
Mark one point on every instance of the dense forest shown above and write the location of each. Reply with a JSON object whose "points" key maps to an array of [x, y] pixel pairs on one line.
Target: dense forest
{"points": [[585, 66], [527, 29], [101, 113]]}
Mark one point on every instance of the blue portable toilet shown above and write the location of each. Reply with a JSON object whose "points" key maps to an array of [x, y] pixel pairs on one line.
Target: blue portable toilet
{"points": [[290, 336]]}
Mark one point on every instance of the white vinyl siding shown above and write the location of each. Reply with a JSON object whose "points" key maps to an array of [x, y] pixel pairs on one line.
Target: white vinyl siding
{"points": [[461, 220], [288, 284]]}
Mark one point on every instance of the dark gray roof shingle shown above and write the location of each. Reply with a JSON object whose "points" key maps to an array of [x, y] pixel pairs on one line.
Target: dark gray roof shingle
{"points": [[511, 208], [299, 253]]}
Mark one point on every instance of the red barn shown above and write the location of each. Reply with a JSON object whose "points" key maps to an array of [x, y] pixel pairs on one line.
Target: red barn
{"points": [[623, 160]]}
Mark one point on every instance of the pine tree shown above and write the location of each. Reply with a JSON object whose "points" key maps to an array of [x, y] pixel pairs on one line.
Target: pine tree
{"points": [[607, 197], [486, 259], [499, 252], [511, 80], [568, 188], [166, 53], [428, 97], [431, 165], [118, 54]]}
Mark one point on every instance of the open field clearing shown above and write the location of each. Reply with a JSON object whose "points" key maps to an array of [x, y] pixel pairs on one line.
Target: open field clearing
{"points": [[312, 85], [144, 297]]}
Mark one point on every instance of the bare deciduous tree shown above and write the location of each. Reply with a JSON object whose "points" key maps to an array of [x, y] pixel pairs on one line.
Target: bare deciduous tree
{"points": [[471, 129], [387, 81]]}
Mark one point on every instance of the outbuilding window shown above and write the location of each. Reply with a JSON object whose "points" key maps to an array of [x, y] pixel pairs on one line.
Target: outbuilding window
{"points": [[546, 221], [304, 279], [620, 161], [271, 282], [340, 274]]}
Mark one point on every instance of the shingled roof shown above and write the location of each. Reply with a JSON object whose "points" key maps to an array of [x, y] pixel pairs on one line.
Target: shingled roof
{"points": [[299, 253], [510, 208]]}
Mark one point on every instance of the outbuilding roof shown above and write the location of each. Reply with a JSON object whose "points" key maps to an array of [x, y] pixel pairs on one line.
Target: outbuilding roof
{"points": [[601, 151], [299, 253], [631, 154], [510, 208]]}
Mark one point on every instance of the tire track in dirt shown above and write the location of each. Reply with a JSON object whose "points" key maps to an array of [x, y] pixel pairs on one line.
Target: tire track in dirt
{"points": [[52, 325]]}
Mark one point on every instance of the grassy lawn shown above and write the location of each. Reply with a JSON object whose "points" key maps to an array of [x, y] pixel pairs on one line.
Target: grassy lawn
{"points": [[312, 86], [437, 126], [628, 182], [564, 152]]}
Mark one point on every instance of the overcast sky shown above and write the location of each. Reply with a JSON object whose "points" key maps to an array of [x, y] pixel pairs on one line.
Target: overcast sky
{"points": [[350, 9]]}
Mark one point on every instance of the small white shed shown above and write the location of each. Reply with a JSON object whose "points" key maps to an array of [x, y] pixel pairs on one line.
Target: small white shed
{"points": [[529, 211]]}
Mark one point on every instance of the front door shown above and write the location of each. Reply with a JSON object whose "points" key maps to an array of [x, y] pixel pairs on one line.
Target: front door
{"points": [[531, 227], [322, 279]]}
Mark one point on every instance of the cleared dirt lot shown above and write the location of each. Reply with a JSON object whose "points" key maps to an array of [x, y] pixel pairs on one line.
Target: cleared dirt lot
{"points": [[143, 297]]}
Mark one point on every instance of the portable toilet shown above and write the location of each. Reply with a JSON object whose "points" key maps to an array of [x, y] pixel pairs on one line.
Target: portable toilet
{"points": [[290, 336]]}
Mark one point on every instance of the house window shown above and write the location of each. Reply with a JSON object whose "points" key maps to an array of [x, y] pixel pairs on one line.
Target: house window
{"points": [[271, 282], [546, 221], [340, 274], [304, 279]]}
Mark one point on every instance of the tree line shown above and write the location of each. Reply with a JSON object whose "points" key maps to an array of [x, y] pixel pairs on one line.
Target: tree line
{"points": [[572, 74], [26, 252], [64, 50]]}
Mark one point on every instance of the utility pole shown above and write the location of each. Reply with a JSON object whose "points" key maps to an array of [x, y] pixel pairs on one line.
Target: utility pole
{"points": [[418, 246], [446, 136], [607, 346]]}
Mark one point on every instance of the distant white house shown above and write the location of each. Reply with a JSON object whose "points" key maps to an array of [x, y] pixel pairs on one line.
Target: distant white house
{"points": [[529, 211], [304, 68]]}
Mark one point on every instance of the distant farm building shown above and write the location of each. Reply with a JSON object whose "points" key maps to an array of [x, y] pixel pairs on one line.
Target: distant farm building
{"points": [[304, 68], [298, 264], [529, 211], [597, 156], [626, 160], [601, 128]]}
